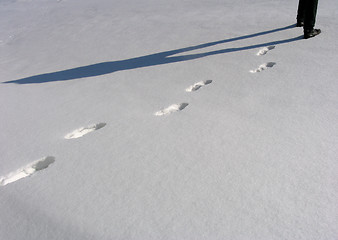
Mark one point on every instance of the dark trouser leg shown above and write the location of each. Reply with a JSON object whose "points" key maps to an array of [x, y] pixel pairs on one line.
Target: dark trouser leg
{"points": [[301, 10], [310, 14]]}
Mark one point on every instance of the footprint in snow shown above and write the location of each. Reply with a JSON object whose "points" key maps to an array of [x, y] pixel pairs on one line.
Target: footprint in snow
{"points": [[27, 171], [171, 109], [265, 50], [198, 85], [84, 130], [263, 67]]}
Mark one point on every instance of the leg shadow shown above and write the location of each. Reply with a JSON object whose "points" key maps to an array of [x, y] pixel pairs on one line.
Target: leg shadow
{"points": [[149, 60]]}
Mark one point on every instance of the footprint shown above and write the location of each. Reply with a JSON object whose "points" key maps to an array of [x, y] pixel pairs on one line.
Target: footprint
{"points": [[198, 85], [264, 50], [171, 109], [84, 130], [263, 67], [27, 170]]}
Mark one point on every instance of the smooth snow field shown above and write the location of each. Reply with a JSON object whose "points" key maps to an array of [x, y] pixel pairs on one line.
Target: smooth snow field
{"points": [[167, 119]]}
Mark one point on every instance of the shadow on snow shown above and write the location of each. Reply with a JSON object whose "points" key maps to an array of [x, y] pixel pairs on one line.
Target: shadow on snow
{"points": [[149, 60]]}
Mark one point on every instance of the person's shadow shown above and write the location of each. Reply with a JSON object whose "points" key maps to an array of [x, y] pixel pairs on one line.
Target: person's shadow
{"points": [[149, 60]]}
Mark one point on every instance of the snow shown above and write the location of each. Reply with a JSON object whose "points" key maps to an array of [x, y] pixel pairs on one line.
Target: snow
{"points": [[264, 66], [171, 109], [84, 130], [198, 85], [231, 155], [265, 50], [27, 170]]}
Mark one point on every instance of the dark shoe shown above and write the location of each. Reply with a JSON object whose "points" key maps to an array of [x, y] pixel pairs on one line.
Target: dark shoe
{"points": [[311, 33], [300, 24]]}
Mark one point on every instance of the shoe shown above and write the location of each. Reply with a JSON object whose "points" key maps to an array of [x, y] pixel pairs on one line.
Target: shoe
{"points": [[311, 33], [300, 24]]}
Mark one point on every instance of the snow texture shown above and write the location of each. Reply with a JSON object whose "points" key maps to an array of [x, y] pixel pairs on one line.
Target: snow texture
{"points": [[84, 130], [253, 155], [265, 50], [263, 67], [172, 108], [198, 85], [26, 171]]}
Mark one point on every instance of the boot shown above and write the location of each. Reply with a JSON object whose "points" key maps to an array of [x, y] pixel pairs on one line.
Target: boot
{"points": [[309, 33], [300, 23]]}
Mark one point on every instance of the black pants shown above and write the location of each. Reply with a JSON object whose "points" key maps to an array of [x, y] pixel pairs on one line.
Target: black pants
{"points": [[307, 10]]}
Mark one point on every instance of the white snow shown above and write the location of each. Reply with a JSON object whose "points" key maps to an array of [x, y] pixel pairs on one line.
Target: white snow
{"points": [[84, 130], [263, 67], [27, 170], [264, 50], [172, 108], [253, 155], [198, 85]]}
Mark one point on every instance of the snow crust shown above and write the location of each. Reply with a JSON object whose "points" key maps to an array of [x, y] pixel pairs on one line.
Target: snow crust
{"points": [[159, 129]]}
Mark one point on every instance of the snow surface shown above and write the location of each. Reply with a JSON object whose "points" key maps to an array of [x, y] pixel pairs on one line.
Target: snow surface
{"points": [[27, 171], [84, 130], [253, 155], [198, 85]]}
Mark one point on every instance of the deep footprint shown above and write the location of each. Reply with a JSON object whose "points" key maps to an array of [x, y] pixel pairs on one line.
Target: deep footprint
{"points": [[171, 109], [198, 85], [84, 130], [27, 171], [265, 50], [263, 67]]}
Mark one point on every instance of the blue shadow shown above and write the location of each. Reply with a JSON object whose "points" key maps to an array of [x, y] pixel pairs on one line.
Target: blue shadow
{"points": [[149, 60]]}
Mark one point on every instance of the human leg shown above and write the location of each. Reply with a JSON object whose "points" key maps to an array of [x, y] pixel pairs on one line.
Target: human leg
{"points": [[310, 14], [310, 19], [301, 13]]}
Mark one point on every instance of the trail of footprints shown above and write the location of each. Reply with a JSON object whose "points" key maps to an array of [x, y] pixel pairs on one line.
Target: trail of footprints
{"points": [[179, 107], [264, 66], [45, 162]]}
